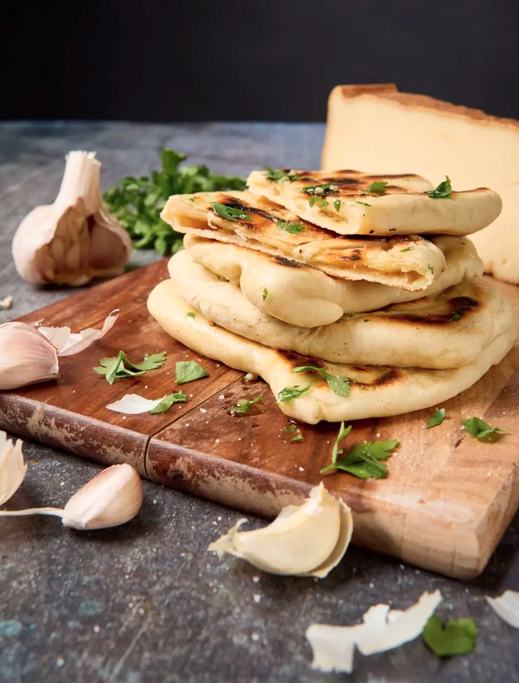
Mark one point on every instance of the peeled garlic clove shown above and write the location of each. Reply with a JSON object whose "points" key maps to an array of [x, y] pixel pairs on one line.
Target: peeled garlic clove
{"points": [[303, 540], [111, 498], [506, 606], [69, 343], [12, 467], [76, 238], [27, 356]]}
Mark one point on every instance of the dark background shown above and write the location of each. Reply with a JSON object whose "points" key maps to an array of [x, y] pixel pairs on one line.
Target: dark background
{"points": [[244, 60]]}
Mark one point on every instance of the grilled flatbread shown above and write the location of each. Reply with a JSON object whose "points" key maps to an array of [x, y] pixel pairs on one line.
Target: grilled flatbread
{"points": [[245, 219], [355, 203], [445, 330], [374, 391], [307, 297]]}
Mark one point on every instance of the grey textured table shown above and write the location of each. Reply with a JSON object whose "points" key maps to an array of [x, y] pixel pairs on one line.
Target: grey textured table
{"points": [[146, 602]]}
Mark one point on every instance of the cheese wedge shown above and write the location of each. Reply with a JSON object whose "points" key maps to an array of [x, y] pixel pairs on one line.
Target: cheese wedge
{"points": [[377, 127]]}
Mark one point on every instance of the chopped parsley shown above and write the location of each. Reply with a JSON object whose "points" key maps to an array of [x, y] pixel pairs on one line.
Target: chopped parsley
{"points": [[436, 418], [406, 249], [230, 213], [481, 430], [430, 268], [377, 187], [276, 175], [313, 200], [293, 228], [323, 204], [457, 637], [188, 371], [337, 205], [339, 385], [265, 293], [168, 401], [364, 460], [443, 190], [455, 317], [318, 190], [190, 314], [121, 366], [290, 393], [243, 405], [293, 434], [363, 203]]}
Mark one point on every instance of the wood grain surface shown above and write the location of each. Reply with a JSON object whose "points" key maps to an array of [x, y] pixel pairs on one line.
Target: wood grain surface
{"points": [[444, 505]]}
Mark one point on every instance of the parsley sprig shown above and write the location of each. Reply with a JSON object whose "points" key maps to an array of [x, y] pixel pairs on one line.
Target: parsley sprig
{"points": [[137, 202], [443, 190], [481, 430], [339, 385], [121, 366], [243, 405], [290, 393]]}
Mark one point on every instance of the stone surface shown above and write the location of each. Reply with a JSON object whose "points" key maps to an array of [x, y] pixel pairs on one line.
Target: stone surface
{"points": [[147, 603]]}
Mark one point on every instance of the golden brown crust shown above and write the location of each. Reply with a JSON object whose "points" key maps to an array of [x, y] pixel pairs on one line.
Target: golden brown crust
{"points": [[390, 92]]}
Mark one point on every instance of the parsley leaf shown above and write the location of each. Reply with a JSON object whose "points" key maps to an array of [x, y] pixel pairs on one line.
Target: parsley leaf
{"points": [[150, 362], [457, 637], [137, 202], [230, 213], [337, 205], [323, 204], [363, 203], [377, 187], [293, 228], [265, 293], [243, 405], [188, 371], [483, 431], [443, 190], [190, 314], [293, 434], [276, 175], [290, 393], [313, 200], [168, 401], [407, 249], [436, 418], [339, 385], [363, 461], [317, 190], [121, 366]]}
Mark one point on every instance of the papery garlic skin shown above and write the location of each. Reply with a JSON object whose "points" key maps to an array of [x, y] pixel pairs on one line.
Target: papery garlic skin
{"points": [[69, 343], [304, 540], [12, 467], [111, 498], [506, 606], [27, 356], [76, 238]]}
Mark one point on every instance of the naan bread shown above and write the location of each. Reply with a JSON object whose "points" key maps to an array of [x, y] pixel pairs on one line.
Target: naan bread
{"points": [[374, 392], [307, 297], [409, 262], [445, 330], [403, 208]]}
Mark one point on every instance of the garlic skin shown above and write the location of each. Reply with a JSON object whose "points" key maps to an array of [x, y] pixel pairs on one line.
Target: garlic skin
{"points": [[111, 498], [506, 606], [75, 239], [69, 343], [27, 356], [304, 540], [12, 467]]}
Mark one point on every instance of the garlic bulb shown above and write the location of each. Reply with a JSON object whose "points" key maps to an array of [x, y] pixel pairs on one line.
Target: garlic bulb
{"points": [[12, 467], [27, 356], [303, 540], [75, 239], [111, 498]]}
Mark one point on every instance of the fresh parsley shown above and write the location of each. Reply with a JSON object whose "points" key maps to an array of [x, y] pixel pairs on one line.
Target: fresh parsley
{"points": [[230, 213], [121, 366], [363, 203], [313, 200], [190, 314], [323, 204], [188, 371], [290, 393], [319, 190], [137, 202], [455, 317], [243, 405], [436, 418], [337, 205], [339, 385], [168, 401], [407, 249], [364, 460], [265, 293], [293, 228], [293, 434], [443, 190], [481, 430], [377, 187], [276, 175], [457, 637]]}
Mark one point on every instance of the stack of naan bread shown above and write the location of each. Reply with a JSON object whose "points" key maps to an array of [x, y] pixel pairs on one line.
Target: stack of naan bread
{"points": [[353, 295]]}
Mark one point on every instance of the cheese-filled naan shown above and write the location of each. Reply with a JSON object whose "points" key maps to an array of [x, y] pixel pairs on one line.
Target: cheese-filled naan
{"points": [[307, 297], [371, 391], [356, 203], [409, 262], [445, 330]]}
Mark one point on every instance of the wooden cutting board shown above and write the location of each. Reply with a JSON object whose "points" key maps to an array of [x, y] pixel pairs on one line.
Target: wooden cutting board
{"points": [[444, 505]]}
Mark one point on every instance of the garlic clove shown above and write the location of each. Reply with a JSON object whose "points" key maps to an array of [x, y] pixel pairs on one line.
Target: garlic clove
{"points": [[12, 467], [333, 646], [27, 356], [304, 540], [76, 238], [506, 606], [111, 498], [69, 343]]}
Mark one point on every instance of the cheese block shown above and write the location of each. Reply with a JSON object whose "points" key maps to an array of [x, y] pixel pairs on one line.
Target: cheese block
{"points": [[377, 127]]}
